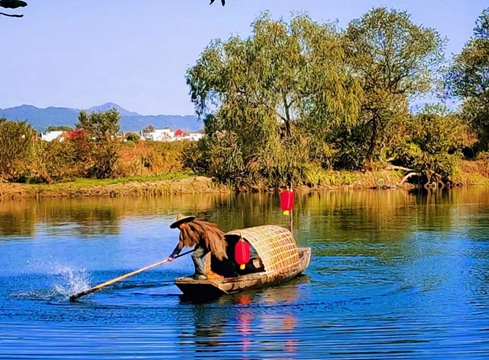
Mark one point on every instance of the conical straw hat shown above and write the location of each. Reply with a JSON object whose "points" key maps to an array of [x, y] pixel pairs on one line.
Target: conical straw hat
{"points": [[182, 219]]}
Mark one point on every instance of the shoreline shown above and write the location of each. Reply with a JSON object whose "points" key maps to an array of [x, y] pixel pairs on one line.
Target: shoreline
{"points": [[189, 185], [201, 185], [151, 188]]}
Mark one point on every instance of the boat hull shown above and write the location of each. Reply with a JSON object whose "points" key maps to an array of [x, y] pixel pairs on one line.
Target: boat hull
{"points": [[212, 288]]}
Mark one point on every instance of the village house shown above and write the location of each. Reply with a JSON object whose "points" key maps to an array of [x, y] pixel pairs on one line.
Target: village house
{"points": [[165, 134], [51, 135], [159, 135]]}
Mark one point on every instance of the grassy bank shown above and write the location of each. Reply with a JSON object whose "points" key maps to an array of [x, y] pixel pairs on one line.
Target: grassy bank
{"points": [[175, 183], [184, 183]]}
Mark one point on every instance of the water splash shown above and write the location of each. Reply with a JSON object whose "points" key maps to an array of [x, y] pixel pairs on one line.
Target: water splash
{"points": [[69, 281]]}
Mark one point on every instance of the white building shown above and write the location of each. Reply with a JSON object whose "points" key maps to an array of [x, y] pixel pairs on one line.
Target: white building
{"points": [[161, 135], [195, 136], [51, 135]]}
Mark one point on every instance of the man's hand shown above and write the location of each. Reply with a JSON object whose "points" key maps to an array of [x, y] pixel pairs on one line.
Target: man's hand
{"points": [[170, 259]]}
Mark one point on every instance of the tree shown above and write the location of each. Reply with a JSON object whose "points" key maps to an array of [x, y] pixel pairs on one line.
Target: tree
{"points": [[12, 4], [396, 60], [469, 79], [429, 144], [260, 98], [149, 129], [18, 150], [59, 128], [133, 137], [99, 130]]}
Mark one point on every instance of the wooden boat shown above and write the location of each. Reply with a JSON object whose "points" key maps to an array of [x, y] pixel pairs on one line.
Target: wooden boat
{"points": [[276, 259]]}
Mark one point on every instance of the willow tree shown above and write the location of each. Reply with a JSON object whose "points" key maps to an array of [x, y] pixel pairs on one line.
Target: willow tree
{"points": [[470, 79], [396, 61], [263, 96]]}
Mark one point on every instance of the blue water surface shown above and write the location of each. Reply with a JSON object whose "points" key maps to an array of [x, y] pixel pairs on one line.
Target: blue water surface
{"points": [[394, 275]]}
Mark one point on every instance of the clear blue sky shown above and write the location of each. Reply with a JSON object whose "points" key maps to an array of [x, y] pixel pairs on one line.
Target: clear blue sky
{"points": [[82, 53]]}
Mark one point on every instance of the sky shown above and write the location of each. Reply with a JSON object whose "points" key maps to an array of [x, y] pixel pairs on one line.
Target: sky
{"points": [[83, 53]]}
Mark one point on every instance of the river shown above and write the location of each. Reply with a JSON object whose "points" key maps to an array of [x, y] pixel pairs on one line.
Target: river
{"points": [[393, 275]]}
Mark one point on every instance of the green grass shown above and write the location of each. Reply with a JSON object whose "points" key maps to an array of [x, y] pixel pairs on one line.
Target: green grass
{"points": [[96, 182]]}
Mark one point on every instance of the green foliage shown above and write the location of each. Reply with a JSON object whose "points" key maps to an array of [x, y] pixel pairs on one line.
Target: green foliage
{"points": [[60, 160], [59, 128], [432, 142], [18, 149], [97, 144], [133, 137], [150, 157], [294, 102], [264, 96], [148, 129], [469, 79], [395, 60]]}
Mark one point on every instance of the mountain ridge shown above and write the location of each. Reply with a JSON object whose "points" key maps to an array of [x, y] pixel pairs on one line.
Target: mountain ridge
{"points": [[42, 118]]}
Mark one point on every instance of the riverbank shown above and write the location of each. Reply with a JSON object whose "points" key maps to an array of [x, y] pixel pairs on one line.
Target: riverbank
{"points": [[173, 184], [101, 188]]}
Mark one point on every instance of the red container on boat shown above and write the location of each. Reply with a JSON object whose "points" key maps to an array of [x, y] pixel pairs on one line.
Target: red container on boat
{"points": [[286, 200], [242, 253]]}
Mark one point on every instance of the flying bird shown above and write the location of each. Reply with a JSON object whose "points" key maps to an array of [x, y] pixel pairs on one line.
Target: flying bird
{"points": [[223, 2]]}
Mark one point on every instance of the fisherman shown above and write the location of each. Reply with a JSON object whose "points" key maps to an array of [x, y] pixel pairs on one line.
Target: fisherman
{"points": [[205, 236]]}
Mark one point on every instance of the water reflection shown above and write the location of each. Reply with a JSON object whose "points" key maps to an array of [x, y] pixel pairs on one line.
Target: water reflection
{"points": [[233, 321], [393, 275], [332, 212]]}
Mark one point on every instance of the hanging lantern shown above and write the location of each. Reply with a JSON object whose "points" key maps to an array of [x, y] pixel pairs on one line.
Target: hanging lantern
{"points": [[286, 201], [242, 253]]}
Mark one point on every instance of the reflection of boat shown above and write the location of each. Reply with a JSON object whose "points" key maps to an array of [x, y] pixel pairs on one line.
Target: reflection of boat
{"points": [[277, 259]]}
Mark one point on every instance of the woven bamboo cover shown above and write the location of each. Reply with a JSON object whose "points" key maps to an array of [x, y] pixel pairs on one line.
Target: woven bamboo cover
{"points": [[275, 245]]}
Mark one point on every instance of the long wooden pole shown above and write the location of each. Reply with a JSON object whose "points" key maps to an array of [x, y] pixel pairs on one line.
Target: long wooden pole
{"points": [[291, 224], [110, 282]]}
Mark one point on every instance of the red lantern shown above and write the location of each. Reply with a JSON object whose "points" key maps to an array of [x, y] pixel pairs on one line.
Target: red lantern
{"points": [[287, 200], [242, 253]]}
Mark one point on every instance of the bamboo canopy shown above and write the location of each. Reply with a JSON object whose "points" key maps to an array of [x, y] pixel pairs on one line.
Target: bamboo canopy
{"points": [[275, 245]]}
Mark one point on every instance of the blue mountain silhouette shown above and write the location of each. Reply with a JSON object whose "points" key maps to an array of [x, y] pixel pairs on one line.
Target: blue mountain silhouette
{"points": [[41, 119]]}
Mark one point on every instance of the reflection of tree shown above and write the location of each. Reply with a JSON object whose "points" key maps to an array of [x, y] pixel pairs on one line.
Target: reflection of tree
{"points": [[17, 220], [13, 4], [359, 219], [93, 216], [96, 221]]}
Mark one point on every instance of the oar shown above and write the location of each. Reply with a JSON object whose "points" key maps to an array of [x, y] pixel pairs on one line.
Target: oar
{"points": [[110, 282]]}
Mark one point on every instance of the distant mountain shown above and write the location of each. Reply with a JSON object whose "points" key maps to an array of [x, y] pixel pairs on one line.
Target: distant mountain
{"points": [[111, 105], [41, 119]]}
